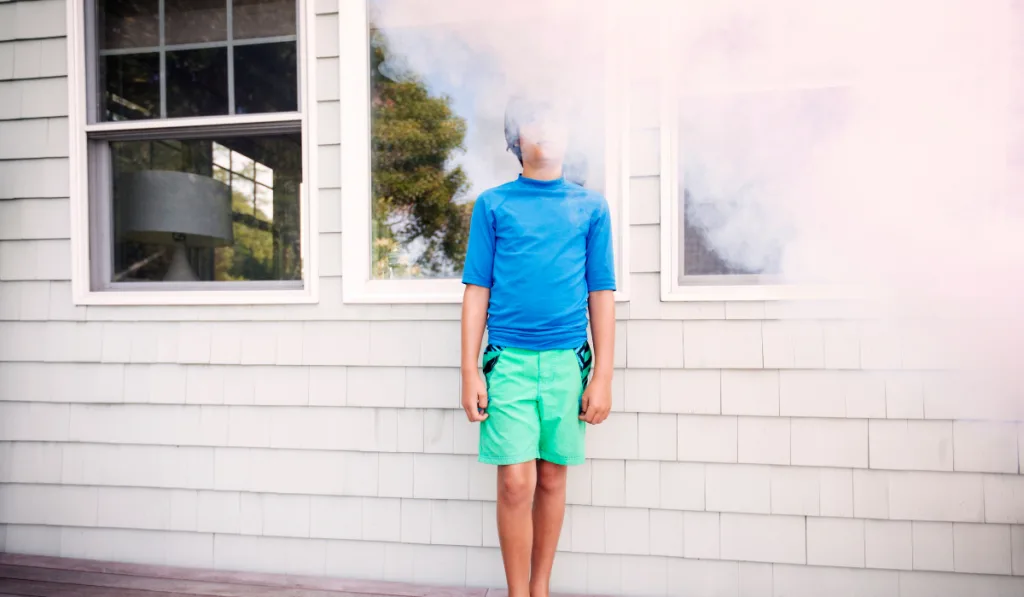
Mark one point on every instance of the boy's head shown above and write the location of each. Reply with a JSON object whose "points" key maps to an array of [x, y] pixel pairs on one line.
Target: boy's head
{"points": [[537, 131]]}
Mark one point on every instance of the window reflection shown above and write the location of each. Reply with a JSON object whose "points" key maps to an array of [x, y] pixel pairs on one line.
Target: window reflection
{"points": [[195, 21], [197, 82], [132, 86], [263, 18], [250, 183], [438, 91], [186, 44], [129, 23], [740, 154]]}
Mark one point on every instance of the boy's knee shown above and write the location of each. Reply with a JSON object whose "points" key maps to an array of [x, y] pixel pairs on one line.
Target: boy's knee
{"points": [[550, 476], [516, 484]]}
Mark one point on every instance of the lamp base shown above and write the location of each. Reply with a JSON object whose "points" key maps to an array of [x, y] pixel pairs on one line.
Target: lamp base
{"points": [[180, 269]]}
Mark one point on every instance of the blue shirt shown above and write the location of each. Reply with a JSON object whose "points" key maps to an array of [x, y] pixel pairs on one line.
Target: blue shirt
{"points": [[541, 247]]}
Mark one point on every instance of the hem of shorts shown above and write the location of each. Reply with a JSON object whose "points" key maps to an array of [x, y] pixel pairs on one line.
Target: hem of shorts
{"points": [[505, 460], [563, 460]]}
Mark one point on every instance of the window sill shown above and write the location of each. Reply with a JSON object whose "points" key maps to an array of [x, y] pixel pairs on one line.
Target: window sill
{"points": [[757, 292], [424, 291], [138, 298]]}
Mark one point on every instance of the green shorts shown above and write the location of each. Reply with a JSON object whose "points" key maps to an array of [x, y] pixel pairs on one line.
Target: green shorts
{"points": [[533, 405]]}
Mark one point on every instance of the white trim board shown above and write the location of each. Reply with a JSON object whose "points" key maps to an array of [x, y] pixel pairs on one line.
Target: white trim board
{"points": [[357, 284], [80, 52]]}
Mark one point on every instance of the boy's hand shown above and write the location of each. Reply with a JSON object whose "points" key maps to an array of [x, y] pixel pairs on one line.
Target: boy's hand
{"points": [[474, 396], [597, 401]]}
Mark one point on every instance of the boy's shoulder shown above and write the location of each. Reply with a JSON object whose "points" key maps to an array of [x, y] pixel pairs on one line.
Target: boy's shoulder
{"points": [[496, 191], [493, 196], [582, 193]]}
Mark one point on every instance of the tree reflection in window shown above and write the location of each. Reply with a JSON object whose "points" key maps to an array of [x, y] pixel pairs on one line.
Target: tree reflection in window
{"points": [[416, 191]]}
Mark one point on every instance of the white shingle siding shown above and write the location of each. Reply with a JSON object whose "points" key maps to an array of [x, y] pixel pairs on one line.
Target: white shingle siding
{"points": [[796, 490], [933, 545], [888, 544], [756, 448]]}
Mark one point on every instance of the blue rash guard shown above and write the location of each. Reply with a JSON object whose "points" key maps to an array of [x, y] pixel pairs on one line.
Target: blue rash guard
{"points": [[541, 247]]}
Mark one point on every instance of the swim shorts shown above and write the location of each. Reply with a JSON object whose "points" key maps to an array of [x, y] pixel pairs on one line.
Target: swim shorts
{"points": [[534, 400]]}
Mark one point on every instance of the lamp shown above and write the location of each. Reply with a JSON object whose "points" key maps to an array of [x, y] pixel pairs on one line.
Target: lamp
{"points": [[177, 209]]}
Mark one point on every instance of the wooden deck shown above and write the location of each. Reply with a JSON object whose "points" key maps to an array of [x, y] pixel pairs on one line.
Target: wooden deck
{"points": [[38, 576]]}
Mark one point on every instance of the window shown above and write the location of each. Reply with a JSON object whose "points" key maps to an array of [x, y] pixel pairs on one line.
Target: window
{"points": [[739, 153], [774, 106], [423, 135], [190, 152], [750, 108]]}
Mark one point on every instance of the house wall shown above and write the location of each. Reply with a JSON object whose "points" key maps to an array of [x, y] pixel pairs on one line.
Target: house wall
{"points": [[756, 449]]}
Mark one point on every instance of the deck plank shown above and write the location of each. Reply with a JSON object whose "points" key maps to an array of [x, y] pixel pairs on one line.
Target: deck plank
{"points": [[31, 588], [165, 585], [361, 588]]}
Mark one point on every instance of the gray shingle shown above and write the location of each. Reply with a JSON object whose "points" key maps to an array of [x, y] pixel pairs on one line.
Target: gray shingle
{"points": [[8, 21], [34, 178], [35, 138], [23, 260], [10, 219], [10, 100], [25, 219], [53, 259], [33, 98], [6, 61], [42, 57], [44, 97], [42, 18], [34, 58], [27, 56], [53, 59]]}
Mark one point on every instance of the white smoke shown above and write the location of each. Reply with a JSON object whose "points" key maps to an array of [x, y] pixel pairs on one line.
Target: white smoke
{"points": [[876, 144], [482, 58]]}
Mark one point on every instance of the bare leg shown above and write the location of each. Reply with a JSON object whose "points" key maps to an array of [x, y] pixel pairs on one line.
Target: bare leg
{"points": [[548, 514], [516, 483]]}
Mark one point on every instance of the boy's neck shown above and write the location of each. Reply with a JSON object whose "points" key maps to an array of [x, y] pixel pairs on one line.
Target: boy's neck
{"points": [[553, 172]]}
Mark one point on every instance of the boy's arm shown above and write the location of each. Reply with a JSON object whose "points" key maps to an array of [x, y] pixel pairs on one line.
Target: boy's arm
{"points": [[597, 399], [602, 324], [477, 275], [474, 317]]}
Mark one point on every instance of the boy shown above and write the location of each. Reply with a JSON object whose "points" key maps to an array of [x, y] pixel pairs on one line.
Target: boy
{"points": [[540, 254]]}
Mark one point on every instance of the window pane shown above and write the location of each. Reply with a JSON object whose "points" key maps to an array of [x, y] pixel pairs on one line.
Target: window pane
{"points": [[266, 78], [193, 21], [263, 18], [178, 216], [264, 175], [132, 86], [439, 86], [129, 23], [740, 155], [197, 82]]}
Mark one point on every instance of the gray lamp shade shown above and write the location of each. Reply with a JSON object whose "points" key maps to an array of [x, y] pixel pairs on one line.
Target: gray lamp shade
{"points": [[156, 205]]}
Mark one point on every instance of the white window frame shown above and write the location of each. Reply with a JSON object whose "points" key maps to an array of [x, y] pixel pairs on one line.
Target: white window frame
{"points": [[206, 293], [357, 284]]}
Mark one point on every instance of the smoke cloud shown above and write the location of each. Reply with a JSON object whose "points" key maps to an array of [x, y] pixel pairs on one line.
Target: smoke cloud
{"points": [[876, 145]]}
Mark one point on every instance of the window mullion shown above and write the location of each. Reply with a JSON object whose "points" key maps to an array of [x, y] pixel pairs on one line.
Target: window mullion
{"points": [[231, 57], [161, 13]]}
